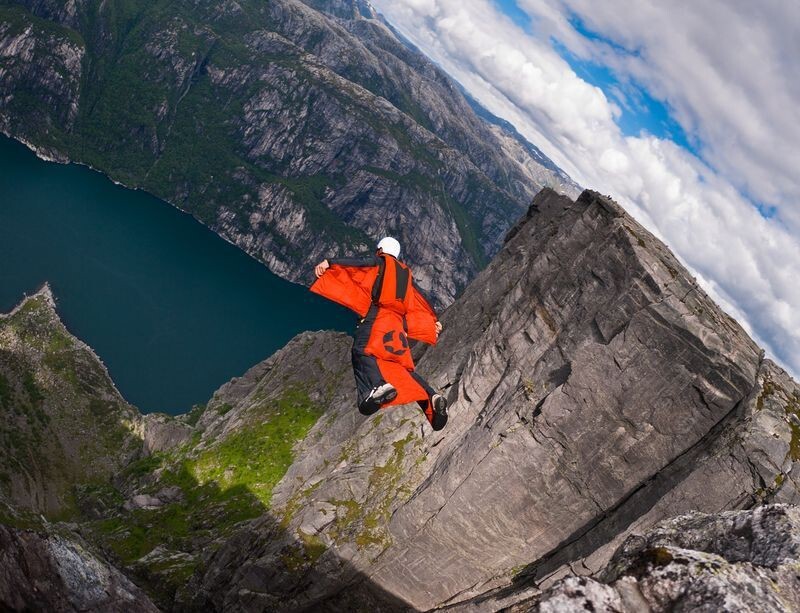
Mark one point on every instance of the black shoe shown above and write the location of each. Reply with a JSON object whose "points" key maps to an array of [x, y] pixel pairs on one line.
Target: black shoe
{"points": [[439, 412], [377, 397]]}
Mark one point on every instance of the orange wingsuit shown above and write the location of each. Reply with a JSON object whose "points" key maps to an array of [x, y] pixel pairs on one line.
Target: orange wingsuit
{"points": [[381, 291]]}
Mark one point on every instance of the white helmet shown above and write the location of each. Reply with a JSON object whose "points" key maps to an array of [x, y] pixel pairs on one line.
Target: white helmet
{"points": [[390, 246]]}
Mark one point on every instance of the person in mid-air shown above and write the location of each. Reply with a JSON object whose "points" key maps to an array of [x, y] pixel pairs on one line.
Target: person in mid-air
{"points": [[393, 310]]}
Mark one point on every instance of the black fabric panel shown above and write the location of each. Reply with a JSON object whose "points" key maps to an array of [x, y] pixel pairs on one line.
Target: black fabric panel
{"points": [[423, 383], [367, 375], [401, 277], [364, 329], [376, 287]]}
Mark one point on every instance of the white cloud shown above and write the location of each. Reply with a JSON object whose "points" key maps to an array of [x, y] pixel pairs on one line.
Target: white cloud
{"points": [[729, 71]]}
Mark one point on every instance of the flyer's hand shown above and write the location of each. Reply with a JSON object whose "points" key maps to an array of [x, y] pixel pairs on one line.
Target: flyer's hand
{"points": [[438, 328], [320, 268]]}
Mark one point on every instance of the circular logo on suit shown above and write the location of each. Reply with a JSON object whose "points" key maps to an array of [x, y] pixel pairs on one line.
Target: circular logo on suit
{"points": [[390, 344]]}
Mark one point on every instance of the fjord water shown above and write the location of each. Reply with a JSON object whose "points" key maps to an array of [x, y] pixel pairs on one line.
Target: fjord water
{"points": [[173, 310]]}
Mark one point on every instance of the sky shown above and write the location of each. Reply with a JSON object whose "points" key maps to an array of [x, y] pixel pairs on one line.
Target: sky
{"points": [[687, 113]]}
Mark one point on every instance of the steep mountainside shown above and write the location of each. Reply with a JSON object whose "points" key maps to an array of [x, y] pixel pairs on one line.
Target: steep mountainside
{"points": [[62, 421], [295, 130], [595, 390]]}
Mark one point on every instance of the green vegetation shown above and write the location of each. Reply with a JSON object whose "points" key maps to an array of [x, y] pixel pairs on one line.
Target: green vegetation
{"points": [[294, 503], [257, 457], [220, 486], [792, 411], [17, 19], [385, 484], [34, 393], [346, 517], [204, 513], [767, 390], [384, 480], [300, 555], [194, 415], [467, 226]]}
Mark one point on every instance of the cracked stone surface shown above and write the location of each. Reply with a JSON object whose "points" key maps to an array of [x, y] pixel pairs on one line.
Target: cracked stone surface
{"points": [[594, 390], [731, 561], [53, 572]]}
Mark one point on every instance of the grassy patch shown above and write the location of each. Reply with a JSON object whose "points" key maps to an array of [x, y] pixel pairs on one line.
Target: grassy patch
{"points": [[294, 503], [792, 410], [220, 486], [32, 389], [303, 554], [384, 480], [194, 415], [257, 457]]}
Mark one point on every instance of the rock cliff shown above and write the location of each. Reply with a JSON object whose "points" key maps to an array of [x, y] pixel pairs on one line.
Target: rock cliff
{"points": [[46, 571], [733, 561], [595, 390], [295, 130]]}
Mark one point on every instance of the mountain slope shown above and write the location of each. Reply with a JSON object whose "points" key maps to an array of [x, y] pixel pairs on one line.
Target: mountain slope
{"points": [[293, 132], [595, 390], [62, 421]]}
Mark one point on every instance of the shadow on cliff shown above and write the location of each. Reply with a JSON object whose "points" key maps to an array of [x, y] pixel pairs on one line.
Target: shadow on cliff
{"points": [[246, 560]]}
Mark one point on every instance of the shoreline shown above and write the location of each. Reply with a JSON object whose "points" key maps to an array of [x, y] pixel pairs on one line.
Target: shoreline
{"points": [[46, 292], [45, 155]]}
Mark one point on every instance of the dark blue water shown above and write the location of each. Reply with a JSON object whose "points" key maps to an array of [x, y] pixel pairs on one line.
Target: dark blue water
{"points": [[172, 309]]}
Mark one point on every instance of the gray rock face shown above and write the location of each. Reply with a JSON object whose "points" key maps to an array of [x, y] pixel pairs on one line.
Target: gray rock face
{"points": [[317, 363], [50, 572], [594, 389], [734, 561], [161, 432], [43, 65], [296, 130]]}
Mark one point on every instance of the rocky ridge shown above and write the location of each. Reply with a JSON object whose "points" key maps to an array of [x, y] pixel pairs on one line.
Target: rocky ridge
{"points": [[584, 365], [733, 561], [296, 130], [63, 420], [595, 390]]}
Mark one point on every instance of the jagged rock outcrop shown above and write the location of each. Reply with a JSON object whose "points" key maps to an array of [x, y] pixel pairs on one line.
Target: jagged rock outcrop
{"points": [[595, 390], [41, 571], [296, 130], [161, 432], [734, 561]]}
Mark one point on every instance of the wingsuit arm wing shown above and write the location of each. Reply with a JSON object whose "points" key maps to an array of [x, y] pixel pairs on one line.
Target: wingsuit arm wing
{"points": [[421, 318], [348, 282]]}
